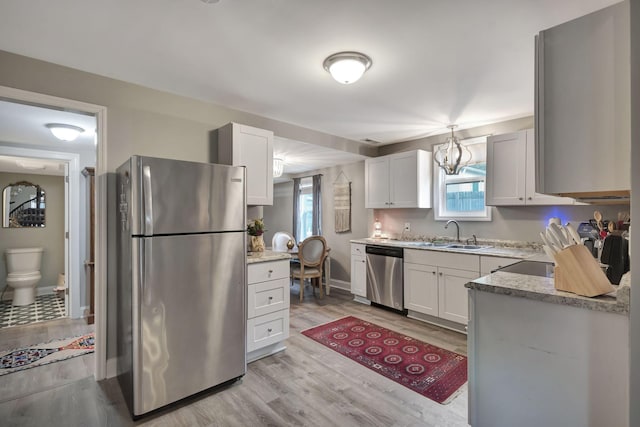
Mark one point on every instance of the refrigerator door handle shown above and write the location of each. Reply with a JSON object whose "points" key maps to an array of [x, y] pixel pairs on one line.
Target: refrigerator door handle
{"points": [[148, 201], [145, 269]]}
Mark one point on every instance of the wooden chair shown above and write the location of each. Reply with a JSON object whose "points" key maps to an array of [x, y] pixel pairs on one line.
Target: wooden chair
{"points": [[279, 241], [311, 253]]}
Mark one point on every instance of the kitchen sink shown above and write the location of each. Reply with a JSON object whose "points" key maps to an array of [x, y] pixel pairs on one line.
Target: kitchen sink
{"points": [[467, 247]]}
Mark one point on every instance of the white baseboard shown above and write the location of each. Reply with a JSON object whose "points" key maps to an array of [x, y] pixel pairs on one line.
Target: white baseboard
{"points": [[341, 284]]}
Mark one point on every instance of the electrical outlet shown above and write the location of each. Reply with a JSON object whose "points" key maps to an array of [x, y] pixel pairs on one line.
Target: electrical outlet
{"points": [[407, 226]]}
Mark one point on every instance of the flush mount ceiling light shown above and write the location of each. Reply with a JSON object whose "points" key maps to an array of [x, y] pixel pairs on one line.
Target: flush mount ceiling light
{"points": [[452, 156], [64, 132], [347, 67], [278, 167]]}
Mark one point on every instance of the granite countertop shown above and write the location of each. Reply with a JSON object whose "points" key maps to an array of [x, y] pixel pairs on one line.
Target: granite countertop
{"points": [[497, 248], [542, 289], [253, 257]]}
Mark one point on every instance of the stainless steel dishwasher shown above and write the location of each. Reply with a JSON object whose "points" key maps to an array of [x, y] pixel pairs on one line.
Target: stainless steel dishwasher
{"points": [[384, 276]]}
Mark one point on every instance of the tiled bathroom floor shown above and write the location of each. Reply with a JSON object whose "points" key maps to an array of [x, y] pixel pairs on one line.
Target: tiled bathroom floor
{"points": [[46, 307]]}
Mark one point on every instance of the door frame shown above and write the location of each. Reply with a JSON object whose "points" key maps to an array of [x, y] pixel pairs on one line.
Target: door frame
{"points": [[100, 112], [72, 218]]}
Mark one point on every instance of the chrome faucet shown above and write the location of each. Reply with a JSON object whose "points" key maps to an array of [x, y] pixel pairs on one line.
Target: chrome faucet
{"points": [[457, 228]]}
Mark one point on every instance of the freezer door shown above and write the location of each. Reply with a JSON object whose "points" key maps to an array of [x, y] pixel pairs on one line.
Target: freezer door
{"points": [[173, 197], [191, 306]]}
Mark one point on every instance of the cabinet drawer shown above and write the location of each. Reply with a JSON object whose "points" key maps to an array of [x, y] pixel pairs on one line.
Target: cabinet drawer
{"points": [[267, 297], [357, 249], [263, 271], [491, 263], [443, 259], [268, 329]]}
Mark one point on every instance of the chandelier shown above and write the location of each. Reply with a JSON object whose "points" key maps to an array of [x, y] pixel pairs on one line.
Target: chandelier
{"points": [[452, 156], [278, 167]]}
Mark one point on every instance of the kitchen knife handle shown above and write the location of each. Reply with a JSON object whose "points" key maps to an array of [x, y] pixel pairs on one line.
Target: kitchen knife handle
{"points": [[148, 201]]}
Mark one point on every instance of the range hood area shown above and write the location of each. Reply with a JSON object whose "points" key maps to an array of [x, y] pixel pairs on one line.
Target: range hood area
{"points": [[621, 197], [583, 125]]}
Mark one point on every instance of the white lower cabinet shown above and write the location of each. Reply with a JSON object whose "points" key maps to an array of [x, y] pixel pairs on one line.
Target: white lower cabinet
{"points": [[358, 270], [434, 284], [267, 308], [453, 301]]}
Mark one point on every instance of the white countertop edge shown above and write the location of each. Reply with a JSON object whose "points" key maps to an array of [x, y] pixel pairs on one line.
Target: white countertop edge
{"points": [[543, 289], [254, 257], [494, 251]]}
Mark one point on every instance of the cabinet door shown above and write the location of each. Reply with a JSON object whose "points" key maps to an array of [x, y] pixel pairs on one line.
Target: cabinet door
{"points": [[532, 197], [359, 275], [583, 103], [403, 180], [421, 288], [452, 295], [506, 170], [241, 145], [376, 183]]}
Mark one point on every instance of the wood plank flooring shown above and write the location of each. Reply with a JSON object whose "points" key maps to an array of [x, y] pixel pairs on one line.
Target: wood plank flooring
{"points": [[306, 385]]}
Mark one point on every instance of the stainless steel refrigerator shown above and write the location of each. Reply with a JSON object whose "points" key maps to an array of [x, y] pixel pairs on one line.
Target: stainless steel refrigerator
{"points": [[181, 279]]}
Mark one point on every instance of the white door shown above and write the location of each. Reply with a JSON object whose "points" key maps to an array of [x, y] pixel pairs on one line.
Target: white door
{"points": [[359, 275], [67, 207], [403, 180], [506, 173]]}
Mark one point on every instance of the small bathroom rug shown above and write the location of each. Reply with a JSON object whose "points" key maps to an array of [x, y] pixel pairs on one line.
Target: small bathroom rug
{"points": [[45, 353]]}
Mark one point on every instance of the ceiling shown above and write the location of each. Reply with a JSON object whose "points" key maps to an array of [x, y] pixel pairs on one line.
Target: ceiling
{"points": [[435, 62], [25, 125]]}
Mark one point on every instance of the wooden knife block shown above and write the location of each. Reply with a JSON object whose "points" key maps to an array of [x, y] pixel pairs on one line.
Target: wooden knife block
{"points": [[577, 271]]}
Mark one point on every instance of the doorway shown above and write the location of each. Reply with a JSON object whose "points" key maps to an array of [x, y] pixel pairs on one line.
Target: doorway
{"points": [[75, 265]]}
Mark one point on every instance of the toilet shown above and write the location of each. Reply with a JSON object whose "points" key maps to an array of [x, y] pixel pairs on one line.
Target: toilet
{"points": [[23, 268]]}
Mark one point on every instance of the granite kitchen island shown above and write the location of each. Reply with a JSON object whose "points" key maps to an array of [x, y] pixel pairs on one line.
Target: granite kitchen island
{"points": [[542, 357]]}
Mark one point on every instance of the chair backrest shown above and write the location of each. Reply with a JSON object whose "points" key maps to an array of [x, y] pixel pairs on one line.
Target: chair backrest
{"points": [[279, 241], [312, 251]]}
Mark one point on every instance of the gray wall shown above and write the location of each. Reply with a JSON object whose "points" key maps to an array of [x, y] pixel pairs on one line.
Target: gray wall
{"points": [[508, 223], [147, 122], [281, 215], [50, 237]]}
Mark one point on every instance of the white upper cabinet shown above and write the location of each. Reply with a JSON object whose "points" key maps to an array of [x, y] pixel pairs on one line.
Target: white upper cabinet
{"points": [[401, 180], [583, 119], [241, 145], [511, 172]]}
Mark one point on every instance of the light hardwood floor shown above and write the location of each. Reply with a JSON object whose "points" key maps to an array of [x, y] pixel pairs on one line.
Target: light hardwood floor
{"points": [[306, 385]]}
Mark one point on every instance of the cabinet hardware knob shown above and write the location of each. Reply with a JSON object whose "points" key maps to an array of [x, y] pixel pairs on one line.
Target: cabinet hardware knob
{"points": [[270, 298], [520, 198], [269, 330], [441, 274], [529, 198], [433, 272], [270, 271]]}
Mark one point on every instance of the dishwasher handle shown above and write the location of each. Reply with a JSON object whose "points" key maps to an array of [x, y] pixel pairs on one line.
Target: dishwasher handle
{"points": [[385, 251]]}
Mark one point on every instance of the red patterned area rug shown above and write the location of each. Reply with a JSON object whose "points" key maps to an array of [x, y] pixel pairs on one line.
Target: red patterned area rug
{"points": [[45, 353], [433, 372]]}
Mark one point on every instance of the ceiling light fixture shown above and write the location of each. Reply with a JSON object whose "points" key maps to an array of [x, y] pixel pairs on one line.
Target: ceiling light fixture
{"points": [[64, 132], [452, 156], [347, 67], [278, 167]]}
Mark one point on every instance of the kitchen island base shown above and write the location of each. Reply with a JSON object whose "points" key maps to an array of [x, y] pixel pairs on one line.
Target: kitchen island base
{"points": [[534, 363]]}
